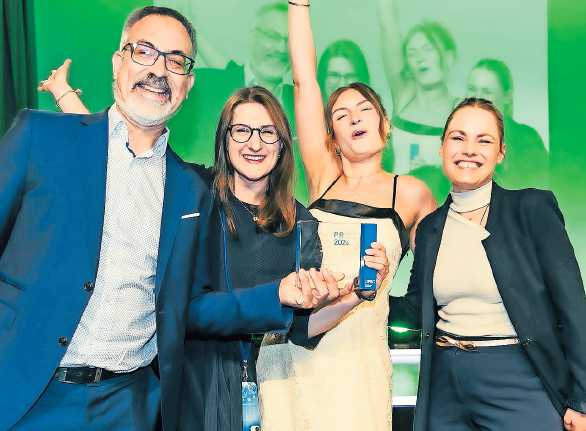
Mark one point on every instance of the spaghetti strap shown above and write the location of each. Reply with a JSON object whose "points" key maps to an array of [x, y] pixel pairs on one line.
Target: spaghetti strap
{"points": [[394, 190], [329, 187]]}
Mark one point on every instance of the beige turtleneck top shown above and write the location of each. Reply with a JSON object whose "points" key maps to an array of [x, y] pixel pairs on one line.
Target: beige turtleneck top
{"points": [[463, 284]]}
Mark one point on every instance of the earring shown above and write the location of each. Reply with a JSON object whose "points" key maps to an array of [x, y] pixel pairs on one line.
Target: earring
{"points": [[338, 152]]}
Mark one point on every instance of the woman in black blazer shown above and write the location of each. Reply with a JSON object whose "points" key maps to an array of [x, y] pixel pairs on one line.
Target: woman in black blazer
{"points": [[497, 292]]}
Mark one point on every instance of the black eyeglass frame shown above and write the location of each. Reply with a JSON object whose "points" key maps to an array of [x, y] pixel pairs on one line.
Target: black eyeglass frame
{"points": [[252, 130], [190, 62]]}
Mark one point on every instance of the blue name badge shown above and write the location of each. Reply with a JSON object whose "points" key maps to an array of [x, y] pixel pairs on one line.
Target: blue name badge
{"points": [[250, 408]]}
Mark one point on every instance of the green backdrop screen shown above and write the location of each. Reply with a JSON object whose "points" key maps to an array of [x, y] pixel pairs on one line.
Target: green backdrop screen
{"points": [[526, 55]]}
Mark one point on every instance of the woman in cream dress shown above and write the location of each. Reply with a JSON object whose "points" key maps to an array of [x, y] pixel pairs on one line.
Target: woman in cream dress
{"points": [[345, 382]]}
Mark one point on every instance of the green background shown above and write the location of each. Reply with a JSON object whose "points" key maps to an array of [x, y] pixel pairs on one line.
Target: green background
{"points": [[88, 32]]}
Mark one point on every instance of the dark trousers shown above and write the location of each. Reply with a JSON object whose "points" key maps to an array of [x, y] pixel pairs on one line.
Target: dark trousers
{"points": [[127, 402], [490, 389]]}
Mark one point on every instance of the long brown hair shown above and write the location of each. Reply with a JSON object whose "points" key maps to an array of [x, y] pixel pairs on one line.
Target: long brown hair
{"points": [[277, 212], [369, 94]]}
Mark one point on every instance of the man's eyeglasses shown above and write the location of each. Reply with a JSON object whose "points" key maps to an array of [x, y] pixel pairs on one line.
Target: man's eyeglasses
{"points": [[242, 133], [271, 35], [147, 55]]}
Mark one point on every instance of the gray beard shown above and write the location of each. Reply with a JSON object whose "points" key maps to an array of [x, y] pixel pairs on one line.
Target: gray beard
{"points": [[140, 118]]}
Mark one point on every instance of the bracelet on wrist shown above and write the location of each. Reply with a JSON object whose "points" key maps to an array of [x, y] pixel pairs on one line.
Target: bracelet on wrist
{"points": [[298, 4], [365, 295], [76, 91]]}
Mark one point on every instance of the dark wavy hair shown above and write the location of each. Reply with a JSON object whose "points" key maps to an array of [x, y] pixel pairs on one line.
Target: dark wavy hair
{"points": [[345, 49], [277, 212]]}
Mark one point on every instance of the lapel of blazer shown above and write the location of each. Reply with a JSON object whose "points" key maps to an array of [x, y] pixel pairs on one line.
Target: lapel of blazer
{"points": [[434, 239], [178, 194], [496, 243], [93, 159]]}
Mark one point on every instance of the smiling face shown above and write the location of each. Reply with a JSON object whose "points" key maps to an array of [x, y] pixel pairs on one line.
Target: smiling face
{"points": [[149, 95], [471, 148], [253, 160], [356, 125], [424, 61], [269, 55]]}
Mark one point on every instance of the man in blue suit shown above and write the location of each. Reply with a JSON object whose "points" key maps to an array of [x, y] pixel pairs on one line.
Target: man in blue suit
{"points": [[102, 252]]}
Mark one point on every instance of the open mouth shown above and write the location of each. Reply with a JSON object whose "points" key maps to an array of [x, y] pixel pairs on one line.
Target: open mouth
{"points": [[253, 158], [358, 134], [158, 93], [468, 164]]}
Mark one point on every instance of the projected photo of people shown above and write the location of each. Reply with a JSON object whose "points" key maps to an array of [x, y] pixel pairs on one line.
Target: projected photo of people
{"points": [[435, 53], [425, 57], [417, 67], [491, 79]]}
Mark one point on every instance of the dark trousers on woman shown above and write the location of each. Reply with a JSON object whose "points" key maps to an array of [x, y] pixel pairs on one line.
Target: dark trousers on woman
{"points": [[126, 402], [488, 389]]}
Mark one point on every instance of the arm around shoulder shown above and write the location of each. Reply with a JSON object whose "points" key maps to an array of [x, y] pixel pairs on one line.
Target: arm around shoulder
{"points": [[405, 310], [235, 312], [239, 311]]}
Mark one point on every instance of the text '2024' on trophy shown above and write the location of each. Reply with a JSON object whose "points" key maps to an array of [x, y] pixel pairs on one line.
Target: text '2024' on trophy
{"points": [[339, 247]]}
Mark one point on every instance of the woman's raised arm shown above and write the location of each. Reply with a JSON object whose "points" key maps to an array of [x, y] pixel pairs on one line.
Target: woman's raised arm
{"points": [[321, 165]]}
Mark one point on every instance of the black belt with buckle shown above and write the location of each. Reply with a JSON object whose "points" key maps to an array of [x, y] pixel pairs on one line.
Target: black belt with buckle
{"points": [[83, 375]]}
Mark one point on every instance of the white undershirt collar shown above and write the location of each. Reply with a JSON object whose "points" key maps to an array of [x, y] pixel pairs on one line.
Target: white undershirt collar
{"points": [[472, 199]]}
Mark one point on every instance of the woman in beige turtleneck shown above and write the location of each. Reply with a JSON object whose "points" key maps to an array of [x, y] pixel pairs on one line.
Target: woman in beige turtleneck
{"points": [[498, 294]]}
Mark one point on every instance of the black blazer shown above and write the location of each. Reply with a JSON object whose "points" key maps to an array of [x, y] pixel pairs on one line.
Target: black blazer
{"points": [[538, 279]]}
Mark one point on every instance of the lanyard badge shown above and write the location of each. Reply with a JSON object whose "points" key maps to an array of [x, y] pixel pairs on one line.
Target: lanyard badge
{"points": [[250, 407]]}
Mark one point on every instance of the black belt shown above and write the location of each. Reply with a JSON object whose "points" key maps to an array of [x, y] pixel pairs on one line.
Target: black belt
{"points": [[83, 375]]}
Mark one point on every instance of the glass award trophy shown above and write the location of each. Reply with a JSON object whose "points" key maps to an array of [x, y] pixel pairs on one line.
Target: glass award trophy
{"points": [[339, 247]]}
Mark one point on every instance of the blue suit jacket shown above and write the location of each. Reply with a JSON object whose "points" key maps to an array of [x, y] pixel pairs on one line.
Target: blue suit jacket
{"points": [[52, 194]]}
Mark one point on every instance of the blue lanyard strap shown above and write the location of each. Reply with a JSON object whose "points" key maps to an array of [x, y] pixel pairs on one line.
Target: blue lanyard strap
{"points": [[245, 346]]}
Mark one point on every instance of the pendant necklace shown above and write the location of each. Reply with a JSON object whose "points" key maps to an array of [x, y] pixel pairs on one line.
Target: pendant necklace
{"points": [[476, 209], [249, 211]]}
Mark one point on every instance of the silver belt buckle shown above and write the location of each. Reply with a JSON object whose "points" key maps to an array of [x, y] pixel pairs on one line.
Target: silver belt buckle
{"points": [[272, 338]]}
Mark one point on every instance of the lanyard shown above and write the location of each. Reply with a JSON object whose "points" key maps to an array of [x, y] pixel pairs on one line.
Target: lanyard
{"points": [[245, 347]]}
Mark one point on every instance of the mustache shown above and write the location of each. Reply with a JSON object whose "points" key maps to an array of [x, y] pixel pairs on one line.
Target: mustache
{"points": [[154, 81], [282, 56]]}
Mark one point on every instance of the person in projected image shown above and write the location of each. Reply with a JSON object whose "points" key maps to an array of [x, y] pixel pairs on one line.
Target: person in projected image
{"points": [[497, 293], [526, 163], [266, 65], [341, 63], [417, 67]]}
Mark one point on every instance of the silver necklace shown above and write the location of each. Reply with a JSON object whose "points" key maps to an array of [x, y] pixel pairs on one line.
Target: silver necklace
{"points": [[249, 211]]}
